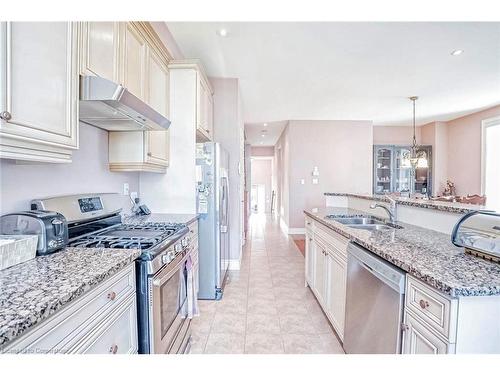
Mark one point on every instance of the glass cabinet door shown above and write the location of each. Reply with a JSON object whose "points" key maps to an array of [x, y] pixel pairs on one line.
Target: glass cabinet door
{"points": [[383, 170], [402, 174], [422, 183]]}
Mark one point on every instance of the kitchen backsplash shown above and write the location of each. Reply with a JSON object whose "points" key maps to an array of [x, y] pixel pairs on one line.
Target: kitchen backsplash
{"points": [[87, 173]]}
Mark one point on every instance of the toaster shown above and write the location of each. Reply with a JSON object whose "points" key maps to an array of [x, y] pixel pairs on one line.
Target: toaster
{"points": [[50, 227]]}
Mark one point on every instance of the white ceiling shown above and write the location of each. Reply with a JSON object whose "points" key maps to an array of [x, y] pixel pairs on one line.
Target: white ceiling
{"points": [[351, 71], [272, 132]]}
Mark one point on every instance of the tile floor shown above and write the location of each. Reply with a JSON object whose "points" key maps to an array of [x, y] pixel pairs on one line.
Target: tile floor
{"points": [[265, 307]]}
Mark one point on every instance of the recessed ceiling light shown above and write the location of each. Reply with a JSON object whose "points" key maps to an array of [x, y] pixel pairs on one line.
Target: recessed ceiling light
{"points": [[265, 124], [263, 135], [222, 32], [457, 52], [261, 143]]}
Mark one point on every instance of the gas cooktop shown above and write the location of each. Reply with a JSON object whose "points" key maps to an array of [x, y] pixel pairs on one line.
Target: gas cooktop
{"points": [[128, 236]]}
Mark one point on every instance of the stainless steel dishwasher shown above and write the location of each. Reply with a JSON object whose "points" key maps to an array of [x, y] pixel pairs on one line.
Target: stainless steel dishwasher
{"points": [[374, 305]]}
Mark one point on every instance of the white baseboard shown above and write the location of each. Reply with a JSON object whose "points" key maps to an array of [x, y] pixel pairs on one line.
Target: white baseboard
{"points": [[283, 226], [234, 265], [296, 230]]}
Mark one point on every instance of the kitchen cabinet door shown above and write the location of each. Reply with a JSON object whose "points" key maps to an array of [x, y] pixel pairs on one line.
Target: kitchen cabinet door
{"points": [[210, 115], [38, 90], [309, 261], [157, 142], [204, 116], [320, 270], [100, 50], [418, 339], [134, 61], [336, 267]]}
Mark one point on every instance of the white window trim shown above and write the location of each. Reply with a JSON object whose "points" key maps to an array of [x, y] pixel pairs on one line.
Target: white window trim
{"points": [[494, 121]]}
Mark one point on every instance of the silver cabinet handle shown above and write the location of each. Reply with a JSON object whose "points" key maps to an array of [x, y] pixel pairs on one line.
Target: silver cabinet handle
{"points": [[112, 296], [113, 349], [5, 115]]}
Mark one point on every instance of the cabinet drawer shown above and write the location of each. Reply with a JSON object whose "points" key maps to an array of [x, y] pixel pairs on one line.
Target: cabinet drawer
{"points": [[116, 335], [334, 239], [68, 326], [431, 307]]}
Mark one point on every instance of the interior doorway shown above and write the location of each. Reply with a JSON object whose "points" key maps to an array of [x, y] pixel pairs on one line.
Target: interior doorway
{"points": [[258, 199], [262, 184]]}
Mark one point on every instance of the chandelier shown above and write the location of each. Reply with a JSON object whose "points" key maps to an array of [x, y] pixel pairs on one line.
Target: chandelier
{"points": [[416, 158]]}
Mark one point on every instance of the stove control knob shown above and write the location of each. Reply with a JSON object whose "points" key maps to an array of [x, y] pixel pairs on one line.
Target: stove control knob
{"points": [[178, 247], [185, 242], [167, 258]]}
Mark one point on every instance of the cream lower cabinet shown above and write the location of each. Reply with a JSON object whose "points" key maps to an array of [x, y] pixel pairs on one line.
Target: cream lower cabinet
{"points": [[418, 339], [39, 90], [103, 320], [336, 268], [325, 268]]}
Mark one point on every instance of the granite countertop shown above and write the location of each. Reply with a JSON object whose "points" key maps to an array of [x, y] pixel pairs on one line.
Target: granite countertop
{"points": [[426, 254], [459, 208], [34, 290], [185, 219]]}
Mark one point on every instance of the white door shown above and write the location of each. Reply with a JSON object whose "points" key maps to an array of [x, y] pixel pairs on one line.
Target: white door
{"points": [[39, 82]]}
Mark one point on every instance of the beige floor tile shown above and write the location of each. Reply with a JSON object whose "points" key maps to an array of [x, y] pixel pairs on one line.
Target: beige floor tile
{"points": [[303, 344], [261, 343], [225, 322], [296, 323], [198, 342], [263, 323], [225, 343], [331, 344]]}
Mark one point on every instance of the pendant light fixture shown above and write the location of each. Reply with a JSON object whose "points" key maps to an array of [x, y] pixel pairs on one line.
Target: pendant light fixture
{"points": [[416, 158]]}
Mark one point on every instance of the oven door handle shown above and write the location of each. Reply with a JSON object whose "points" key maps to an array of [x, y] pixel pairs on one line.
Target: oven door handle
{"points": [[162, 279]]}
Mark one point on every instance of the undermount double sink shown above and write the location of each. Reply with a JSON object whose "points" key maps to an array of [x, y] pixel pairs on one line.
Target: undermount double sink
{"points": [[367, 223]]}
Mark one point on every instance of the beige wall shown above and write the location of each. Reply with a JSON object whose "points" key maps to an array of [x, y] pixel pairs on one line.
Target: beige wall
{"points": [[456, 147], [262, 170], [464, 150], [394, 135], [342, 151], [88, 173], [262, 151]]}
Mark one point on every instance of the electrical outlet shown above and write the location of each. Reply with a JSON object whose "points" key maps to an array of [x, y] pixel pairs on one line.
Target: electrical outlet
{"points": [[126, 188], [315, 181], [302, 181]]}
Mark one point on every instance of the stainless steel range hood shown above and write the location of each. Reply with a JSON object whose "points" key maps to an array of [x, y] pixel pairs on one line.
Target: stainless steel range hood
{"points": [[111, 106]]}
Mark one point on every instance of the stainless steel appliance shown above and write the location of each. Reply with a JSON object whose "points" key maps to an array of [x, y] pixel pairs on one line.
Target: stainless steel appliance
{"points": [[161, 268], [212, 169], [479, 233], [374, 304], [111, 106], [50, 227]]}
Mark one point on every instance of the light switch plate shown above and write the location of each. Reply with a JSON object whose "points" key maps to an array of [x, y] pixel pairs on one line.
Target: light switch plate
{"points": [[126, 188], [302, 181]]}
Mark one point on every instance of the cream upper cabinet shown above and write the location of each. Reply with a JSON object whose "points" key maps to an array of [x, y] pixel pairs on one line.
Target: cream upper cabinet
{"points": [[39, 90], [204, 124], [134, 61], [147, 76], [100, 50]]}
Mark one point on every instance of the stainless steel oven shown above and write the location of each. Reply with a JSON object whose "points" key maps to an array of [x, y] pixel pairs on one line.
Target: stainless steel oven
{"points": [[168, 294]]}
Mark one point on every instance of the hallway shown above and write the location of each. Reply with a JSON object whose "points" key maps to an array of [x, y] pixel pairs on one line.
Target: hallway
{"points": [[265, 308]]}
